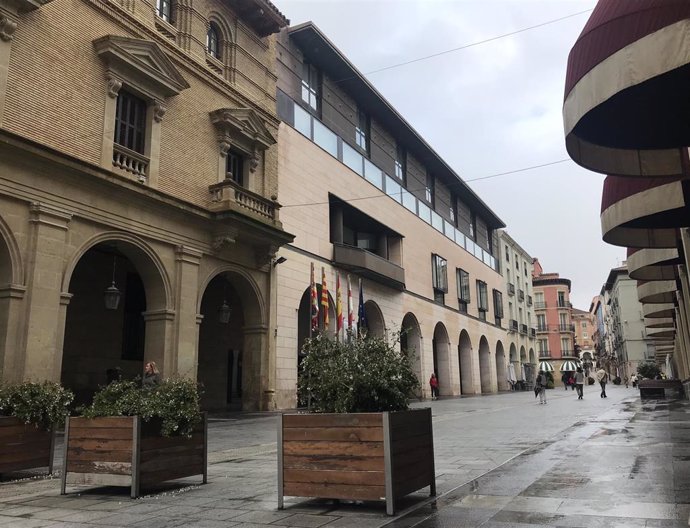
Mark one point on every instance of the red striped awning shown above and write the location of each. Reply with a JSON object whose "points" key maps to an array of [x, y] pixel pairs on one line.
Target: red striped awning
{"points": [[626, 106]]}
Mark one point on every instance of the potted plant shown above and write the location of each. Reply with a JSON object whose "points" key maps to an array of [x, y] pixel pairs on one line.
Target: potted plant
{"points": [[359, 440], [137, 437], [29, 413], [653, 385]]}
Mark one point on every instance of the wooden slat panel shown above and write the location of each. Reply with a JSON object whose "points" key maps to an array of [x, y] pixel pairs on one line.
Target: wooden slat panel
{"points": [[334, 463], [352, 434], [332, 420], [116, 422], [367, 478], [111, 468], [112, 433], [7, 448], [19, 455], [163, 442], [26, 462], [163, 462], [149, 478], [99, 444], [371, 449], [99, 479], [10, 421], [171, 454], [78, 454], [334, 491]]}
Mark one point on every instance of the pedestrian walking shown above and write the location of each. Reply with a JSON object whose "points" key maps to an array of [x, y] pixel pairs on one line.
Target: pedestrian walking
{"points": [[633, 380], [602, 378], [565, 378], [579, 383], [540, 385], [433, 383], [626, 380]]}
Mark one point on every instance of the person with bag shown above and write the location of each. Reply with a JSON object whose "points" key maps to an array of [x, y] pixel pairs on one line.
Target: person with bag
{"points": [[433, 383], [540, 386], [580, 383], [602, 378]]}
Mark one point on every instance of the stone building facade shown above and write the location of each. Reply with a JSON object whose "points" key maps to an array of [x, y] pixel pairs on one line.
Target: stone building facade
{"points": [[138, 155], [367, 197]]}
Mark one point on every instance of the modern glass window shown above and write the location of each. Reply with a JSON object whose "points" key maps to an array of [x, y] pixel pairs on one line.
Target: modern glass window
{"points": [[234, 166], [213, 41], [325, 139], [409, 201], [352, 159], [498, 306], [393, 189], [429, 189], [362, 131], [439, 273], [303, 121], [164, 9], [400, 163], [463, 280], [424, 212], [473, 226], [373, 174], [130, 121], [311, 86], [482, 297]]}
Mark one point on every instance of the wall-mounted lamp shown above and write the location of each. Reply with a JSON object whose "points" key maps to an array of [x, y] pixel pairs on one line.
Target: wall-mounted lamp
{"points": [[111, 296], [279, 260]]}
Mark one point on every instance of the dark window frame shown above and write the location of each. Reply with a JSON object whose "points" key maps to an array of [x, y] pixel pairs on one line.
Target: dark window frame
{"points": [[482, 297], [213, 41], [401, 164], [430, 190], [363, 131], [130, 121], [498, 305], [164, 10], [236, 158], [463, 283], [439, 276], [312, 84]]}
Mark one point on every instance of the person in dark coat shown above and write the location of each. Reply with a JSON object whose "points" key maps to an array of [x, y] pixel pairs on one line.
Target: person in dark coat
{"points": [[151, 375]]}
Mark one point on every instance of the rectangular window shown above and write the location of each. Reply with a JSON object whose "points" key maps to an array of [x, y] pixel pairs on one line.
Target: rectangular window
{"points": [[473, 227], [561, 299], [234, 166], [311, 87], [482, 297], [565, 346], [541, 322], [498, 306], [400, 163], [463, 279], [439, 275], [507, 254], [164, 9], [362, 131], [563, 320], [130, 121], [429, 189]]}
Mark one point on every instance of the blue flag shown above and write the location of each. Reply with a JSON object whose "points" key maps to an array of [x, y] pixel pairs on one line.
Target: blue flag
{"points": [[361, 314]]}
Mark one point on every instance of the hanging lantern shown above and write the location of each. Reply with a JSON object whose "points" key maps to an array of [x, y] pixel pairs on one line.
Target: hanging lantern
{"points": [[224, 313], [111, 296]]}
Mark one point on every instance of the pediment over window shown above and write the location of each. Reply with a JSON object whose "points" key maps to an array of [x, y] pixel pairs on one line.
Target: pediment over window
{"points": [[242, 126], [142, 63]]}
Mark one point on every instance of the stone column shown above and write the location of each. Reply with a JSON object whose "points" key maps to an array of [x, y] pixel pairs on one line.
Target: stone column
{"points": [[8, 25], [255, 368], [684, 323], [186, 344], [45, 266], [11, 304], [160, 329], [65, 299]]}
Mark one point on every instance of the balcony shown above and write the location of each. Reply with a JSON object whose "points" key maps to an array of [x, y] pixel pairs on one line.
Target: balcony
{"points": [[566, 328], [544, 354], [567, 352], [511, 288], [521, 295], [369, 265], [512, 325], [229, 196], [542, 329], [540, 305], [523, 329], [564, 304], [529, 300], [533, 332]]}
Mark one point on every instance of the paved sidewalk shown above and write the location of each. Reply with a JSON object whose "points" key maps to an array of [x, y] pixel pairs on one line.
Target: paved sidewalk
{"points": [[506, 446]]}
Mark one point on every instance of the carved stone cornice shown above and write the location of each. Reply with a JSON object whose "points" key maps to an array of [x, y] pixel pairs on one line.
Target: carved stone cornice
{"points": [[159, 111], [7, 28], [113, 85], [225, 238], [242, 127]]}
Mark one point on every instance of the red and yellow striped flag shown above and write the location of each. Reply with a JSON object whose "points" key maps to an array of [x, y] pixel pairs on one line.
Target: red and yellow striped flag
{"points": [[338, 304], [324, 299], [314, 302]]}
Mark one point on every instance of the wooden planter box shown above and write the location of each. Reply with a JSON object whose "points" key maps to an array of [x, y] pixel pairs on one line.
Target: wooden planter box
{"points": [[24, 446], [358, 456], [124, 451], [660, 388]]}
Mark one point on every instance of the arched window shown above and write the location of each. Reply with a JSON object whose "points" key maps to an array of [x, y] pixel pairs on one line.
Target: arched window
{"points": [[213, 41], [164, 9]]}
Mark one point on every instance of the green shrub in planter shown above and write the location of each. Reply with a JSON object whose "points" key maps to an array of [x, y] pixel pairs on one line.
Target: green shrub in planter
{"points": [[43, 404], [175, 402], [360, 375], [648, 369]]}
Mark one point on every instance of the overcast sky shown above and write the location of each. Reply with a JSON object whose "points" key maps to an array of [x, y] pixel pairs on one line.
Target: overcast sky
{"points": [[487, 109]]}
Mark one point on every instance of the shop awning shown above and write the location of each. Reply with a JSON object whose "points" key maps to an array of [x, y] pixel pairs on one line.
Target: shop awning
{"points": [[653, 264], [626, 105], [658, 310], [656, 291], [545, 366], [569, 366]]}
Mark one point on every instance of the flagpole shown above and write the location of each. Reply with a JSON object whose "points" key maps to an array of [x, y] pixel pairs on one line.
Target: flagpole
{"points": [[311, 292]]}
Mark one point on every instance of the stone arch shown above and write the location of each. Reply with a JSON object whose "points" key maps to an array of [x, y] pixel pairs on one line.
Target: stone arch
{"points": [[101, 343], [304, 318], [465, 361], [525, 366], [513, 353], [11, 266], [411, 344], [441, 359], [532, 357], [220, 21], [155, 278], [501, 368], [232, 355], [485, 369], [376, 325]]}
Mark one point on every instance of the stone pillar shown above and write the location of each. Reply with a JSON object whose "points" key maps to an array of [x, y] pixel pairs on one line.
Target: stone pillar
{"points": [[682, 330], [684, 309], [186, 343], [160, 329], [8, 24], [255, 368], [65, 299], [45, 263], [11, 304]]}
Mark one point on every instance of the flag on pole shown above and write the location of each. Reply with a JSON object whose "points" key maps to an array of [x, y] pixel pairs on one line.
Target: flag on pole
{"points": [[314, 302], [350, 307], [361, 315], [324, 299], [338, 305]]}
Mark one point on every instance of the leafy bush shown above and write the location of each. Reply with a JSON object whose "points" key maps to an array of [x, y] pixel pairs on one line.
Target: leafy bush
{"points": [[43, 404], [175, 402], [362, 375], [549, 380], [648, 369]]}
